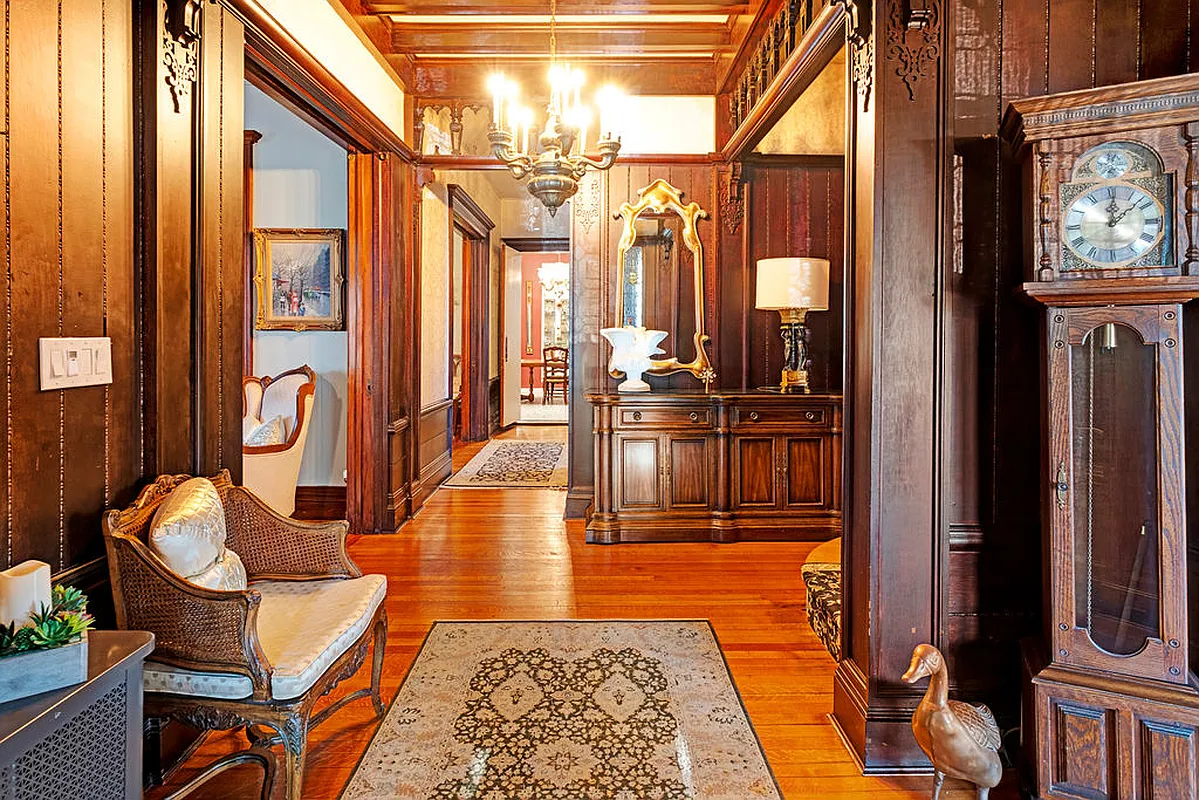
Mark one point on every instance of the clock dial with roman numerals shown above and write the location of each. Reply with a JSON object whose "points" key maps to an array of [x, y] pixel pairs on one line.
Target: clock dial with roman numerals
{"points": [[1112, 224]]}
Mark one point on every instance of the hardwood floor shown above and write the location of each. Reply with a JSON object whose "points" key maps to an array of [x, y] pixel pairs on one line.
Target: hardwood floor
{"points": [[507, 554]]}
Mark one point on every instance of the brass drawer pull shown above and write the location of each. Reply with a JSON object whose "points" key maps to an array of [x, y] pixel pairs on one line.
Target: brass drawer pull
{"points": [[636, 416], [694, 416], [753, 416], [809, 415]]}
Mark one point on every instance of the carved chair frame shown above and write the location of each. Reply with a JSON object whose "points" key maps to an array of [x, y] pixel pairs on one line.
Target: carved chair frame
{"points": [[216, 631], [305, 391]]}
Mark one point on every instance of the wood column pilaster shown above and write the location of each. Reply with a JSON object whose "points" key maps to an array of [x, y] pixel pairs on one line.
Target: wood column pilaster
{"points": [[894, 547]]}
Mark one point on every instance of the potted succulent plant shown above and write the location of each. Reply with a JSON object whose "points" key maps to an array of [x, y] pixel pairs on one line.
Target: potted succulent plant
{"points": [[49, 650]]}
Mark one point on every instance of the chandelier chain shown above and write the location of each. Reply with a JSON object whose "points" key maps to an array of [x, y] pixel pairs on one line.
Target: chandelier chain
{"points": [[553, 31]]}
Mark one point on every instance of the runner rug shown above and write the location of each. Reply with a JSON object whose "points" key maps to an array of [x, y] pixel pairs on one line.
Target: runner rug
{"points": [[514, 464], [568, 711]]}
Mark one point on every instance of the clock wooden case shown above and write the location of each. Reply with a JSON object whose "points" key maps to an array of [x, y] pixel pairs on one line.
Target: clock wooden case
{"points": [[1112, 243]]}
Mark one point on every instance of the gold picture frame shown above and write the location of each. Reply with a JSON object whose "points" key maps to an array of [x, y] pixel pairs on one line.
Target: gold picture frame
{"points": [[659, 198], [299, 279]]}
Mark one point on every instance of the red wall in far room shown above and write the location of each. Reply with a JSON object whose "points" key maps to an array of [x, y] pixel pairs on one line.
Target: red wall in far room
{"points": [[531, 349]]}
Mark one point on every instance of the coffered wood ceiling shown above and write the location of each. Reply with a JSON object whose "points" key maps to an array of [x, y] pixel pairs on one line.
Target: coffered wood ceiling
{"points": [[447, 48]]}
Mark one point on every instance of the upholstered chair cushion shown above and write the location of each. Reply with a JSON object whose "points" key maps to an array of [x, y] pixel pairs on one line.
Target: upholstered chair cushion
{"points": [[270, 432], [227, 573], [249, 423], [303, 626], [188, 531], [188, 534]]}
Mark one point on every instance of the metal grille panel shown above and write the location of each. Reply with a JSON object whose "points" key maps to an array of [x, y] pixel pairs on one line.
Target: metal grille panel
{"points": [[83, 760]]}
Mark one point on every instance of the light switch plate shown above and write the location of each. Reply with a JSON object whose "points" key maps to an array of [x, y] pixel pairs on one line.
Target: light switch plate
{"points": [[67, 363]]}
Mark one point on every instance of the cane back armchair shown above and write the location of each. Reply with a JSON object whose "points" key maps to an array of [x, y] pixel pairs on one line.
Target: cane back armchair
{"points": [[257, 659]]}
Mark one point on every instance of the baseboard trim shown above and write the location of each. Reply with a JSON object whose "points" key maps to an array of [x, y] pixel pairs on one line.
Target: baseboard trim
{"points": [[578, 501], [432, 476], [876, 731], [400, 508], [320, 502]]}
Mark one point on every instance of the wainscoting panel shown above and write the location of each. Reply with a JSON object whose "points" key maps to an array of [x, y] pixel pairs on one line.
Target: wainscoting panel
{"points": [[436, 459]]}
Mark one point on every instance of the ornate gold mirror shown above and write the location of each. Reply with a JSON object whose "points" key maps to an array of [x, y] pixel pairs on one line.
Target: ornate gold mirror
{"points": [[661, 268]]}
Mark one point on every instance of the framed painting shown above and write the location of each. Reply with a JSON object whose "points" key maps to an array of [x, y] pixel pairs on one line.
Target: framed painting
{"points": [[299, 279]]}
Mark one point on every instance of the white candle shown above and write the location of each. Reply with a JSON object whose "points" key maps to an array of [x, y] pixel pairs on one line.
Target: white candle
{"points": [[24, 589]]}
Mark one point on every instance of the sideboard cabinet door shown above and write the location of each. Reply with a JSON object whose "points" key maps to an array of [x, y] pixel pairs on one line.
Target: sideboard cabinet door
{"points": [[805, 475], [690, 471], [639, 472], [755, 464]]}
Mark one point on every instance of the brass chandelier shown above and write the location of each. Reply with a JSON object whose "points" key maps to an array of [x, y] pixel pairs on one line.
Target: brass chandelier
{"points": [[557, 161]]}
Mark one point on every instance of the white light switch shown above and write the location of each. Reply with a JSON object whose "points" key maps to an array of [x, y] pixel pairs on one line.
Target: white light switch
{"points": [[69, 363]]}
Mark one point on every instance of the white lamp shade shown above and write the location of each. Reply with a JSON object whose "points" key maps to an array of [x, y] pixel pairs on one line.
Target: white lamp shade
{"points": [[793, 283]]}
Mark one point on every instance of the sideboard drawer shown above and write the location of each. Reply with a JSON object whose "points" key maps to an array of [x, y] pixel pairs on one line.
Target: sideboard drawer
{"points": [[749, 416], [641, 417]]}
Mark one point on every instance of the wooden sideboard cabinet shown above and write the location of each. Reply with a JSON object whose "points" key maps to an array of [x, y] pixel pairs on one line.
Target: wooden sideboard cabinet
{"points": [[720, 467]]}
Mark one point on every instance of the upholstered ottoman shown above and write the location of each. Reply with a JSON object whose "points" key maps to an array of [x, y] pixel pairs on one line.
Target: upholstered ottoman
{"points": [[822, 580]]}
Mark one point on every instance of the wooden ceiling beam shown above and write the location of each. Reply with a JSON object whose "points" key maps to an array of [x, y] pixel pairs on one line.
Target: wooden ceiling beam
{"points": [[457, 78], [564, 7], [533, 39]]}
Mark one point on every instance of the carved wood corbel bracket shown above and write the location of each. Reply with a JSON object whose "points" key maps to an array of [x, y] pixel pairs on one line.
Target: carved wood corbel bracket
{"points": [[180, 46], [861, 46], [456, 106], [732, 198], [914, 39]]}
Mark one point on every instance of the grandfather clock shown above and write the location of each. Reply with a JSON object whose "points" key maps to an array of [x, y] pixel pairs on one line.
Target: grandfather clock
{"points": [[1111, 700]]}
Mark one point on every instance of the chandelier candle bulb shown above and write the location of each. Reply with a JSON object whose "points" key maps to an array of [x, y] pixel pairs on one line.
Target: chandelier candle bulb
{"points": [[557, 160], [496, 85]]}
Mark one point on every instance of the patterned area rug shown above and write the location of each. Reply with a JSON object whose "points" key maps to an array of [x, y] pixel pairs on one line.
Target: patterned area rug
{"points": [[566, 711], [514, 464]]}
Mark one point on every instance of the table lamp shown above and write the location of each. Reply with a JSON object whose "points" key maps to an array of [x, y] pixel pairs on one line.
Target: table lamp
{"points": [[793, 287]]}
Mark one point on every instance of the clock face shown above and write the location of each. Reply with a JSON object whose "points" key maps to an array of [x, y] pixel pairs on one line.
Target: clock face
{"points": [[1113, 223]]}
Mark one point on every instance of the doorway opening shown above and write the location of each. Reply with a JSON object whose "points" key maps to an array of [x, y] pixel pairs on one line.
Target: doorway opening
{"points": [[544, 319], [501, 272], [295, 393]]}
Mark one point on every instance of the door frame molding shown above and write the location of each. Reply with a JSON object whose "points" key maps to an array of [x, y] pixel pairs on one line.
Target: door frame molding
{"points": [[381, 385], [476, 226]]}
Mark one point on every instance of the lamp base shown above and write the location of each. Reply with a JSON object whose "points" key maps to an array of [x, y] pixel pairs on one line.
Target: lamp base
{"points": [[795, 336]]}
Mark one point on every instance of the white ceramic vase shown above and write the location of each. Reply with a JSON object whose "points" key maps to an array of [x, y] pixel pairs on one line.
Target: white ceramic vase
{"points": [[632, 350]]}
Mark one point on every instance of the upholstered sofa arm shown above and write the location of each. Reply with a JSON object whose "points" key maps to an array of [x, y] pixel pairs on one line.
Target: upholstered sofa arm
{"points": [[193, 627], [279, 548]]}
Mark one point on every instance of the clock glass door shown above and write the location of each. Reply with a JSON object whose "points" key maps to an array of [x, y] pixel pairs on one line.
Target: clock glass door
{"points": [[1115, 488]]}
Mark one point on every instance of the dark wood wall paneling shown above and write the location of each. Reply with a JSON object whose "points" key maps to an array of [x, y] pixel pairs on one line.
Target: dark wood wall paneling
{"points": [[793, 210], [1005, 50], [123, 217], [788, 206], [67, 249]]}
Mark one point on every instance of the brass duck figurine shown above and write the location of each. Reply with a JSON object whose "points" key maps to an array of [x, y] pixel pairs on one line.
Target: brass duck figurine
{"points": [[961, 740]]}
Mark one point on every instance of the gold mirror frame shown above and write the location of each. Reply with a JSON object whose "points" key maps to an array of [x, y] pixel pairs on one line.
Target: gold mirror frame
{"points": [[660, 197]]}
